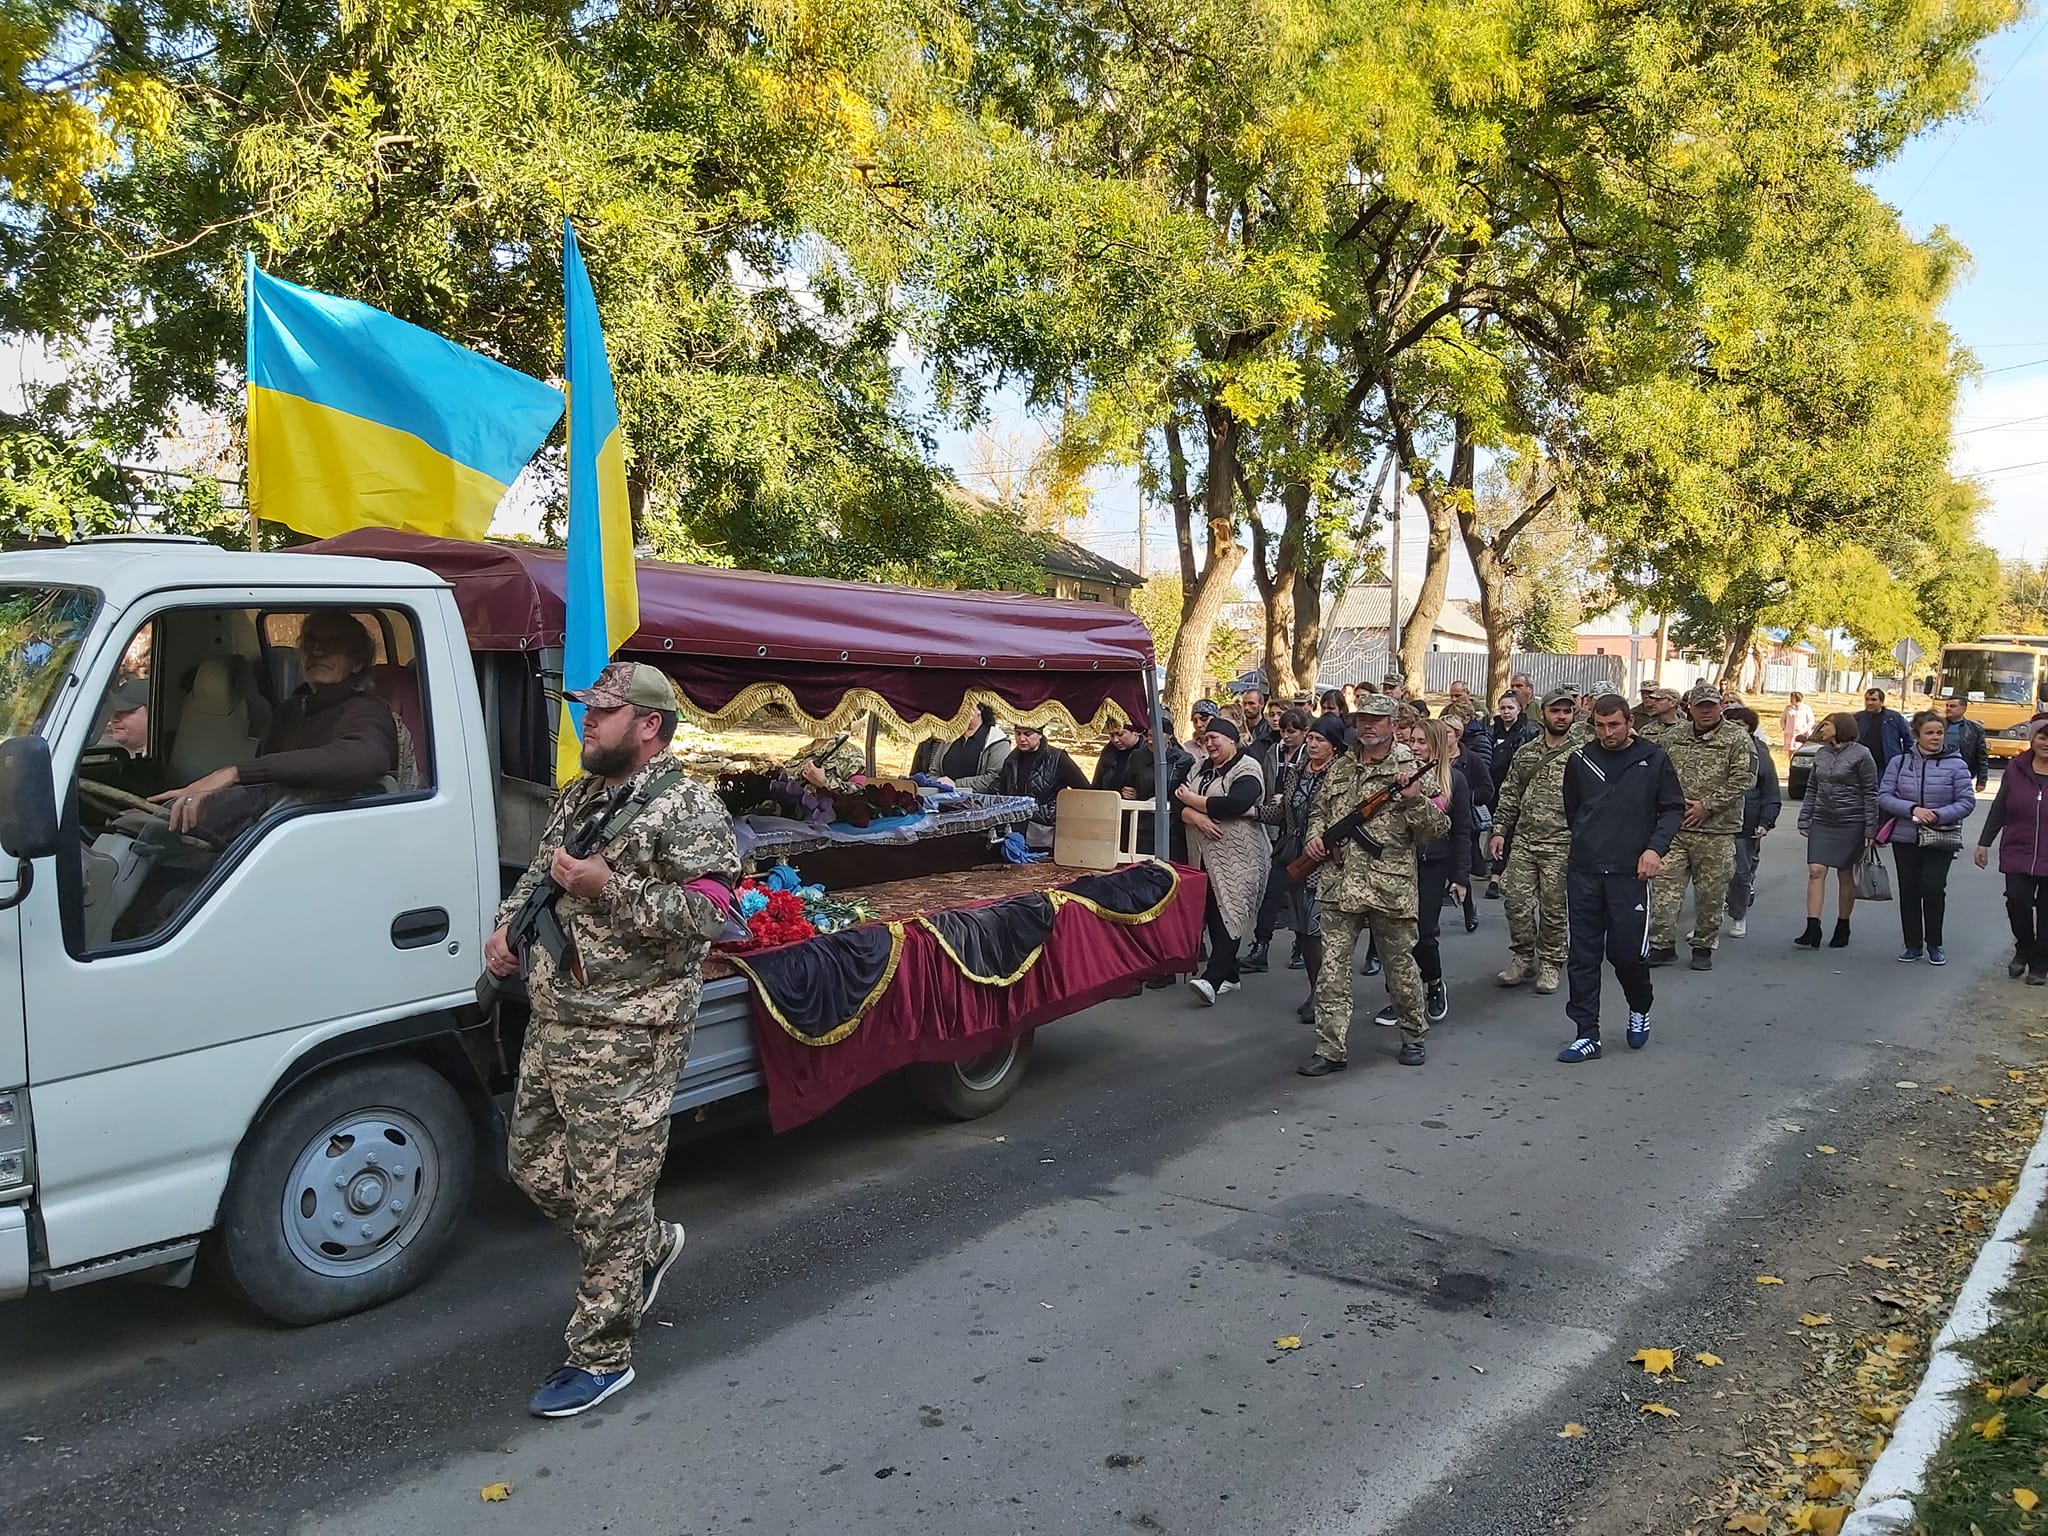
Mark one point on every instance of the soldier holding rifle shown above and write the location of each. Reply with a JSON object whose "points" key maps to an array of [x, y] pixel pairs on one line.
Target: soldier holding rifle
{"points": [[637, 908], [1371, 813]]}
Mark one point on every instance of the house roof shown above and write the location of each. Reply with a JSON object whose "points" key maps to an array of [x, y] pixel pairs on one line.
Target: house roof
{"points": [[1366, 606], [1063, 557]]}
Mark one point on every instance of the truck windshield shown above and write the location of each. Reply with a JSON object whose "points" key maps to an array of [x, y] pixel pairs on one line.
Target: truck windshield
{"points": [[41, 629], [1996, 677]]}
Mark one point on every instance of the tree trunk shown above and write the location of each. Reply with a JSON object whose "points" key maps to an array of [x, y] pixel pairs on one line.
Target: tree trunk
{"points": [[1491, 570], [1444, 503], [1308, 624], [1276, 572], [1203, 598], [1663, 644]]}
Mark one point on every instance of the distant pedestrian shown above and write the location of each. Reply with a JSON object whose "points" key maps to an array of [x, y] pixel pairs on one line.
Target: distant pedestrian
{"points": [[1796, 723], [1531, 834], [1760, 808], [1839, 819], [1524, 690], [1966, 738], [1716, 764], [1623, 805], [1928, 793], [1443, 864], [2018, 818], [1282, 770], [1881, 729], [1218, 803]]}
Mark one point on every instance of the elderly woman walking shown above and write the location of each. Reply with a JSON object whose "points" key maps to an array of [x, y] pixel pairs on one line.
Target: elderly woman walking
{"points": [[1839, 818], [2018, 818], [1219, 804], [1928, 791]]}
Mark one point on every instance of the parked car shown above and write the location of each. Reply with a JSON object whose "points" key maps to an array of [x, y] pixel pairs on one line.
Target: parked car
{"points": [[1801, 767]]}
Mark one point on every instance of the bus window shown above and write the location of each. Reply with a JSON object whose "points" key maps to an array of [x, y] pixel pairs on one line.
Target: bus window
{"points": [[1996, 677]]}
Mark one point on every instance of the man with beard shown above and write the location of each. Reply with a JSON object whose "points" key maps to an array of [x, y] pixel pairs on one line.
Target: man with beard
{"points": [[611, 1020]]}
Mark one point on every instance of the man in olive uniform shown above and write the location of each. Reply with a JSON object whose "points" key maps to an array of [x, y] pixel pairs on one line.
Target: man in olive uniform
{"points": [[830, 765], [611, 1019], [1529, 830], [1716, 765], [1367, 884], [1667, 713]]}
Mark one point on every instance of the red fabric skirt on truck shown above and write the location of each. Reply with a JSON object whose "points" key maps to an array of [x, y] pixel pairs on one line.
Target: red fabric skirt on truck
{"points": [[916, 1000]]}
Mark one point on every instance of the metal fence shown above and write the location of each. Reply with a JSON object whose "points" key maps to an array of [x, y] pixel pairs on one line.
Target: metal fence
{"points": [[1546, 669]]}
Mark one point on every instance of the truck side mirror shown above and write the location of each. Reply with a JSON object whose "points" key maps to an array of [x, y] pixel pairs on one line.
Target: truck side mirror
{"points": [[28, 798]]}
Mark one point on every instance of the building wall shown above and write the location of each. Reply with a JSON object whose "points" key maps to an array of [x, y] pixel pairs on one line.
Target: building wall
{"points": [[1075, 590]]}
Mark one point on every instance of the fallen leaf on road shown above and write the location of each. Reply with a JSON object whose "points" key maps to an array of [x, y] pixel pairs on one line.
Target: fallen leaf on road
{"points": [[1985, 1103], [1572, 1432], [1768, 1280], [495, 1493], [1892, 1299], [1822, 1520], [2016, 1075], [31, 1439], [1824, 1485], [1879, 1263], [1658, 1409], [1824, 1147], [1815, 1319], [1655, 1362], [1752, 1524], [1703, 1358], [1905, 1085], [2026, 1498], [1900, 1345], [1794, 1125], [1288, 1341], [1948, 1088]]}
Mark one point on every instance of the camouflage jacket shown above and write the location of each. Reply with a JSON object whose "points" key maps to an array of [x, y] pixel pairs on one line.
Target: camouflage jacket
{"points": [[643, 938], [1531, 803], [1716, 769], [843, 760], [1654, 730], [1352, 880]]}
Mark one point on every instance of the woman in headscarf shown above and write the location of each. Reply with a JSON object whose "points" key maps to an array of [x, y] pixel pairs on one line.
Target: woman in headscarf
{"points": [[969, 764], [1040, 770], [1219, 805]]}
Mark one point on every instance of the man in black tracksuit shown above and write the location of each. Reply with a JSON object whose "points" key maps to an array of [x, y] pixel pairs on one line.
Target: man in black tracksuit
{"points": [[1623, 805]]}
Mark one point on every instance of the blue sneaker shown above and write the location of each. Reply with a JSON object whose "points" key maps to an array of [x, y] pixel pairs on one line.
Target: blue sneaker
{"points": [[1585, 1048], [1936, 955], [572, 1389], [1908, 956], [654, 1274], [1638, 1031]]}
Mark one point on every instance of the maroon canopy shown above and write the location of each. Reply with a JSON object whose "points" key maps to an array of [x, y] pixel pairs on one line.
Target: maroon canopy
{"points": [[716, 632]]}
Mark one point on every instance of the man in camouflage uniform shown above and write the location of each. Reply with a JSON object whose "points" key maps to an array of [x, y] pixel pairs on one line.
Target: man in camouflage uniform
{"points": [[1666, 714], [1367, 885], [611, 1023], [831, 765], [1529, 830], [1716, 764]]}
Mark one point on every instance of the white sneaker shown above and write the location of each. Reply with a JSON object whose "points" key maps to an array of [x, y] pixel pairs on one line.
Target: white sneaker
{"points": [[1739, 928], [1204, 993], [1228, 986]]}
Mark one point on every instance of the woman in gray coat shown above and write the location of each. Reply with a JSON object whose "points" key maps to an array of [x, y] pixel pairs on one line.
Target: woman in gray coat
{"points": [[1839, 818]]}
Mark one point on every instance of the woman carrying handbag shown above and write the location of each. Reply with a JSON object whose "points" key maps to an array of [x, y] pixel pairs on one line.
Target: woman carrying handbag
{"points": [[1839, 818], [1928, 793]]}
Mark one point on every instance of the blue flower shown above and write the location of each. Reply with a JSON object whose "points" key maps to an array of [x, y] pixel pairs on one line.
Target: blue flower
{"points": [[751, 902]]}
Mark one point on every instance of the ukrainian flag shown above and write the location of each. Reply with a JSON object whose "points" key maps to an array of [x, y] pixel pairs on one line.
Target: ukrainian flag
{"points": [[603, 592], [357, 419]]}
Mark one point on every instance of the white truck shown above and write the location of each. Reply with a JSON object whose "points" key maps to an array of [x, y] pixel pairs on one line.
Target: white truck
{"points": [[265, 1041]]}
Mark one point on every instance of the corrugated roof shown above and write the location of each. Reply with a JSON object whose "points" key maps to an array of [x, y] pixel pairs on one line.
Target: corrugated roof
{"points": [[1366, 606]]}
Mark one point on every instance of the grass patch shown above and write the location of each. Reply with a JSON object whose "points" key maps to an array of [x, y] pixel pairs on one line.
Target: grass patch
{"points": [[1995, 1461]]}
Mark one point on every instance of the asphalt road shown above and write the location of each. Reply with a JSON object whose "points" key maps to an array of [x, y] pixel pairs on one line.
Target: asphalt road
{"points": [[1061, 1318]]}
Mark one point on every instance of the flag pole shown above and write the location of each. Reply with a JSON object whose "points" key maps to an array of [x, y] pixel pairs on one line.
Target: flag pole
{"points": [[248, 388]]}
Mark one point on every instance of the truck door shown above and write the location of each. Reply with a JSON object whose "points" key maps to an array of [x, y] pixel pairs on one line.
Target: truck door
{"points": [[171, 979]]}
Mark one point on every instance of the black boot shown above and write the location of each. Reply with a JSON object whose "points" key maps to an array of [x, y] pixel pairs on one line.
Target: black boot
{"points": [[1811, 938], [1254, 958], [1312, 954], [1840, 938]]}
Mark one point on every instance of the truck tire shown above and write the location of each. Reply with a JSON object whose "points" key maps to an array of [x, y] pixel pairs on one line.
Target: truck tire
{"points": [[967, 1090], [346, 1192]]}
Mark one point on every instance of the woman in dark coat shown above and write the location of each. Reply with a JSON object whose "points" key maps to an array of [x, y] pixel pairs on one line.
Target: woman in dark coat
{"points": [[1839, 818], [2018, 819], [1040, 770]]}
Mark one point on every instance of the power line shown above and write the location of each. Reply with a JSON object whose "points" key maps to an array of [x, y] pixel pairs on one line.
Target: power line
{"points": [[1965, 127], [1993, 426]]}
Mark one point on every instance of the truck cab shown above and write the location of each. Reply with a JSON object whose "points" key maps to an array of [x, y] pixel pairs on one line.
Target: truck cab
{"points": [[299, 963]]}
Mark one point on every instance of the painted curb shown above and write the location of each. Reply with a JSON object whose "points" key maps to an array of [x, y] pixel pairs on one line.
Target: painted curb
{"points": [[1885, 1505]]}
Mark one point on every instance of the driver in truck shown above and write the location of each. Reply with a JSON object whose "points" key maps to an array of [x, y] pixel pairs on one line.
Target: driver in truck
{"points": [[611, 1019], [333, 736]]}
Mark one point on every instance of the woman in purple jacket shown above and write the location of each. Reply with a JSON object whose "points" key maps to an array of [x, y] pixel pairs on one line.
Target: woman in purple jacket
{"points": [[2020, 812], [1928, 792]]}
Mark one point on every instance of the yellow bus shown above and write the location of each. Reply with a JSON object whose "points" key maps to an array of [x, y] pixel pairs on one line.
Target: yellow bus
{"points": [[2005, 678]]}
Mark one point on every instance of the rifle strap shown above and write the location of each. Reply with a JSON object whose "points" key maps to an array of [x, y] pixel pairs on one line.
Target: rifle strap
{"points": [[628, 811]]}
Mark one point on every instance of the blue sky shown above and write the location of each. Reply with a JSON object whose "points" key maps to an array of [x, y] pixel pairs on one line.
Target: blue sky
{"points": [[1983, 177]]}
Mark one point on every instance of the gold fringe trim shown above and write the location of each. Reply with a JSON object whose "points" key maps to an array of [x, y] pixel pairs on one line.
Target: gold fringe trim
{"points": [[988, 981], [857, 703], [1061, 897], [841, 1031]]}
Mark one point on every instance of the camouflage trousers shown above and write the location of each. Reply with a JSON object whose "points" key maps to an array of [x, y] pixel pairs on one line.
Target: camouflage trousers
{"points": [[1532, 895], [1395, 937], [589, 1130], [1706, 860]]}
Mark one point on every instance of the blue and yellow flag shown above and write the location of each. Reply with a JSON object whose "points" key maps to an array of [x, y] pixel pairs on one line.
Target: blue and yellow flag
{"points": [[603, 593], [357, 419]]}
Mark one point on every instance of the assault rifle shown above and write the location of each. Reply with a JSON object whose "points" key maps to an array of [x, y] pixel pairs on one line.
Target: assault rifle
{"points": [[537, 922], [1352, 827]]}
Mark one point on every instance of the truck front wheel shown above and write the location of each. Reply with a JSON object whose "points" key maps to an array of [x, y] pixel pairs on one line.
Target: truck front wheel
{"points": [[346, 1193], [967, 1090]]}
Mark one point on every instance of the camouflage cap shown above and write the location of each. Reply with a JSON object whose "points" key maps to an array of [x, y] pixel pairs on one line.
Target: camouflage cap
{"points": [[1561, 696], [129, 693], [1376, 706], [628, 682], [1392, 680], [1706, 693], [1665, 693]]}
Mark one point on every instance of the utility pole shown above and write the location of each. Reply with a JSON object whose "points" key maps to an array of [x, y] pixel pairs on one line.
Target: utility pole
{"points": [[1394, 579], [1141, 530]]}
